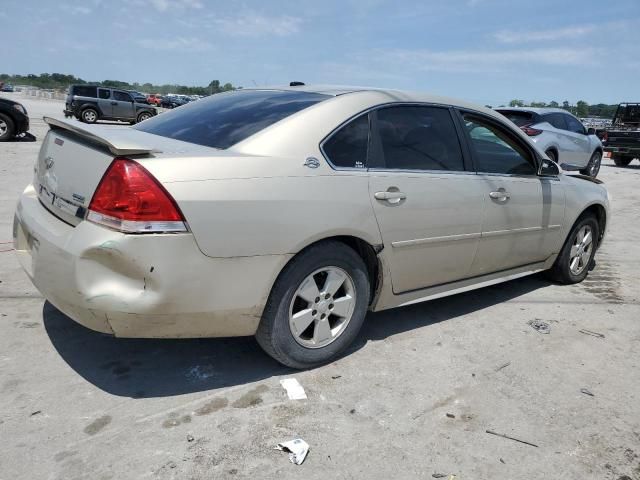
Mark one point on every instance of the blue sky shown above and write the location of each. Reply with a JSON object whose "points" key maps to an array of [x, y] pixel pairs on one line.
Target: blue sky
{"points": [[487, 51]]}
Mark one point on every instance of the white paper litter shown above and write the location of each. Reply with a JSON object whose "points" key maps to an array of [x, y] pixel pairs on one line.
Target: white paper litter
{"points": [[293, 388], [297, 449]]}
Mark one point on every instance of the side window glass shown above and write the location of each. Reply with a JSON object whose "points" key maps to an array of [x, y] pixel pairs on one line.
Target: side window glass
{"points": [[122, 96], [557, 120], [347, 148], [104, 94], [495, 150], [574, 125], [419, 138]]}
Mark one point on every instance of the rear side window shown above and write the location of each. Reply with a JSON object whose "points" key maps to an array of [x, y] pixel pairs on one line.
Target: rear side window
{"points": [[85, 91], [419, 138], [104, 93], [225, 119], [348, 147], [495, 151], [519, 118], [557, 120]]}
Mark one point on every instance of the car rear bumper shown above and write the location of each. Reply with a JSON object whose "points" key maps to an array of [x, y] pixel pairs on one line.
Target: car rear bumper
{"points": [[152, 286], [622, 149]]}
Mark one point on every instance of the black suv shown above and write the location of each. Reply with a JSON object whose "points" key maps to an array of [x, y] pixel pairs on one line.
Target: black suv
{"points": [[90, 103], [13, 119]]}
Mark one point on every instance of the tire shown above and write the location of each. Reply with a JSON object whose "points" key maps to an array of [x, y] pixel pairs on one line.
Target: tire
{"points": [[305, 275], [89, 115], [593, 167], [143, 116], [561, 271], [7, 128], [552, 155], [621, 161]]}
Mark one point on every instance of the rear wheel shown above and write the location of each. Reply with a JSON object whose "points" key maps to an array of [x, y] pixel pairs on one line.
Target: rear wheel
{"points": [[89, 115], [574, 260], [7, 128], [316, 307], [593, 167], [621, 160]]}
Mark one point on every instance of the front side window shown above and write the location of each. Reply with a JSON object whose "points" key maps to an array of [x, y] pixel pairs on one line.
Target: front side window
{"points": [[103, 93], [419, 138], [557, 120], [495, 151], [348, 147], [224, 119], [574, 125], [122, 96]]}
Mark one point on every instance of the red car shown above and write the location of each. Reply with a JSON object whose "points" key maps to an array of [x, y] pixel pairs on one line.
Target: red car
{"points": [[154, 99]]}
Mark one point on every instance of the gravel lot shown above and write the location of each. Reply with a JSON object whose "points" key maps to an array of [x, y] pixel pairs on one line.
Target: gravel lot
{"points": [[77, 404]]}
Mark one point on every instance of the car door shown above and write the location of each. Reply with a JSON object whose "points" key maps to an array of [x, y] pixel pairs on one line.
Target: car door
{"points": [[427, 202], [524, 212], [123, 106], [105, 102], [578, 135]]}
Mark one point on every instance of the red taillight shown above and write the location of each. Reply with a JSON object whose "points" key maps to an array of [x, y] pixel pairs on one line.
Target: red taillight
{"points": [[532, 132], [129, 199]]}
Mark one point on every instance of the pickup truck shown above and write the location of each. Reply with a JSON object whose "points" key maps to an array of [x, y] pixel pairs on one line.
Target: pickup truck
{"points": [[622, 138]]}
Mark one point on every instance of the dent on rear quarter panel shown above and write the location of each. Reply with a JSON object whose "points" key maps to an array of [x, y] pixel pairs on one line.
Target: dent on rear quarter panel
{"points": [[275, 215]]}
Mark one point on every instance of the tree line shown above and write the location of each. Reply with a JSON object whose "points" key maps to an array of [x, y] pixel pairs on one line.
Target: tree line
{"points": [[580, 109], [60, 81]]}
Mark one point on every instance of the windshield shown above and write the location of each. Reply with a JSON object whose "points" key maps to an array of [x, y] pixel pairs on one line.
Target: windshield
{"points": [[222, 120]]}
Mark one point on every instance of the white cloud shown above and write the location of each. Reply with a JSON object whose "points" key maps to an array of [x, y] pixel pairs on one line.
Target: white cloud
{"points": [[165, 5], [252, 24], [483, 60], [513, 36], [188, 44], [77, 9]]}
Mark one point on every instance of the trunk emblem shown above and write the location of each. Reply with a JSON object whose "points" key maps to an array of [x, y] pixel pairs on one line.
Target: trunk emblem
{"points": [[312, 162], [59, 141], [48, 162]]}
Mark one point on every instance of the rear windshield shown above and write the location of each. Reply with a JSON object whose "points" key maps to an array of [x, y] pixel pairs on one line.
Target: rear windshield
{"points": [[519, 118], [225, 119], [630, 114]]}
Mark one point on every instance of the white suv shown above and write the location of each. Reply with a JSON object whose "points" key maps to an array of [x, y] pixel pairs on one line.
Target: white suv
{"points": [[561, 136]]}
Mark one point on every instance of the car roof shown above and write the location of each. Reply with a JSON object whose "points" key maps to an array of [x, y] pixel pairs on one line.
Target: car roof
{"points": [[538, 110]]}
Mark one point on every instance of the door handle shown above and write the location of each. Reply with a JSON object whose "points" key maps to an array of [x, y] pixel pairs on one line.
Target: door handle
{"points": [[114, 103], [500, 195], [390, 196]]}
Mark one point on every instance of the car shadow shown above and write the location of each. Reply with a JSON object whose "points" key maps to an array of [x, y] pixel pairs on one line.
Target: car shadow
{"points": [[145, 368], [23, 137]]}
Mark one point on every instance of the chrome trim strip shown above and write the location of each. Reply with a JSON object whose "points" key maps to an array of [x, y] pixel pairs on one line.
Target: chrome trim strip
{"points": [[469, 236]]}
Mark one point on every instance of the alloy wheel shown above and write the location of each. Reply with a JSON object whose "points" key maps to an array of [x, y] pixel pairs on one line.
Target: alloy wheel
{"points": [[581, 250], [3, 128], [595, 164], [322, 307], [89, 116]]}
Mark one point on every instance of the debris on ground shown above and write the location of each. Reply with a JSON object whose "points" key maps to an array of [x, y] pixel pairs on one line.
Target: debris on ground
{"points": [[294, 389], [592, 333], [540, 326], [451, 415], [586, 392], [504, 365], [335, 377], [190, 438], [297, 450], [439, 475], [503, 462], [511, 438], [37, 412]]}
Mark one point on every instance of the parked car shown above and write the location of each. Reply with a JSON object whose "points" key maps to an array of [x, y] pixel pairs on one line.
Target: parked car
{"points": [[622, 138], [138, 97], [7, 88], [13, 119], [90, 103], [154, 99], [561, 136], [289, 213], [172, 101]]}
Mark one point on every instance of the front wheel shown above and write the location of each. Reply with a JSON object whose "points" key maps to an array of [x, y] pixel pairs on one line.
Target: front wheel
{"points": [[574, 260], [593, 167], [316, 307], [7, 128], [143, 116]]}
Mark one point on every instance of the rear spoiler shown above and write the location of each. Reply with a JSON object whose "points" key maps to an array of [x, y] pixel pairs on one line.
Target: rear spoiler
{"points": [[120, 141]]}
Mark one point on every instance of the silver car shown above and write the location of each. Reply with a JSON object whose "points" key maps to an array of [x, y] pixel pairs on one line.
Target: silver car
{"points": [[561, 136], [289, 213]]}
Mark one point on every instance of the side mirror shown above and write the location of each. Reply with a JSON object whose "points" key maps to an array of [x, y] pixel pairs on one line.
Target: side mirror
{"points": [[591, 131], [548, 168]]}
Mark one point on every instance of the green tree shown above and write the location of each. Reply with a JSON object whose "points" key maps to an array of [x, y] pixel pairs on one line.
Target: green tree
{"points": [[516, 103], [554, 104], [582, 108]]}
